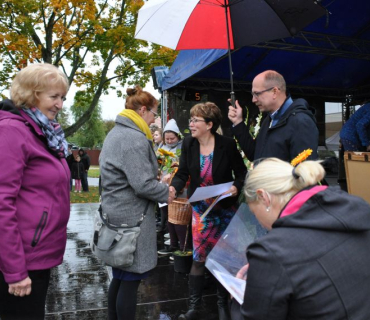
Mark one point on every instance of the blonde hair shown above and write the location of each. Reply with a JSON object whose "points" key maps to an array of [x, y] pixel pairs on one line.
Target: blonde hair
{"points": [[34, 79], [137, 97], [278, 178]]}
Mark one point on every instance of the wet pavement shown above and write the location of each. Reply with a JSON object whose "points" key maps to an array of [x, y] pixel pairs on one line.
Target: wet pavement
{"points": [[78, 288]]}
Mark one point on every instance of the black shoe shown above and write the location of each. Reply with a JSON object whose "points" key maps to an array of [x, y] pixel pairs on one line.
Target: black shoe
{"points": [[223, 302], [195, 298]]}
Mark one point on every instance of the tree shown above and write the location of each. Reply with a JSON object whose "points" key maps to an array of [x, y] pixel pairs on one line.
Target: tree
{"points": [[84, 38], [63, 118], [92, 133], [108, 125]]}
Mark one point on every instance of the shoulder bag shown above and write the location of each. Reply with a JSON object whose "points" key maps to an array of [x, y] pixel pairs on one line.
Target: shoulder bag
{"points": [[115, 245]]}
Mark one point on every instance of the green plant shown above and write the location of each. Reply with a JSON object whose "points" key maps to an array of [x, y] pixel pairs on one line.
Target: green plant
{"points": [[180, 253]]}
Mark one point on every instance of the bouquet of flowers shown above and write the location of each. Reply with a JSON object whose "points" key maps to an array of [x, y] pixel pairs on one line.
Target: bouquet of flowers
{"points": [[168, 161], [254, 128]]}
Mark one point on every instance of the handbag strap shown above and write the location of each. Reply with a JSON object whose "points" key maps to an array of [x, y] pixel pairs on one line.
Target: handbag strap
{"points": [[104, 218]]}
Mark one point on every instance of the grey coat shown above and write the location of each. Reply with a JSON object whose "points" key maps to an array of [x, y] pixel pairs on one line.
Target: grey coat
{"points": [[128, 167]]}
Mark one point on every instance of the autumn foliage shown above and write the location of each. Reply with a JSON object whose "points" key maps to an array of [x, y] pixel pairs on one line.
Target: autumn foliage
{"points": [[92, 41]]}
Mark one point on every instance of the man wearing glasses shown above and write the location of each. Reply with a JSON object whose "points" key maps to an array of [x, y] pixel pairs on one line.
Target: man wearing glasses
{"points": [[289, 129]]}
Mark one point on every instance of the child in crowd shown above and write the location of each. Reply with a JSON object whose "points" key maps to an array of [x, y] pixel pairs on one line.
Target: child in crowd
{"points": [[77, 172]]}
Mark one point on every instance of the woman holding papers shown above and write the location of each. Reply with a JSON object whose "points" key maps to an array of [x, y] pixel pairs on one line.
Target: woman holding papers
{"points": [[314, 263], [208, 159]]}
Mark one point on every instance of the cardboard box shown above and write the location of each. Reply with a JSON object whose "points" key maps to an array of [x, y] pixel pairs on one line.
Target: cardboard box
{"points": [[357, 166]]}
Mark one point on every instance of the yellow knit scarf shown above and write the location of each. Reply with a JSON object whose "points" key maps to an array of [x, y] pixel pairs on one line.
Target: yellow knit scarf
{"points": [[138, 120]]}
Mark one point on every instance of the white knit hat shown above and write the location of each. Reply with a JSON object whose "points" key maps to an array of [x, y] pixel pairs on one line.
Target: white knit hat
{"points": [[172, 126]]}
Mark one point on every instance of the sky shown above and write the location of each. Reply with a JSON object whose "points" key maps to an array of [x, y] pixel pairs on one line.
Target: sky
{"points": [[111, 105]]}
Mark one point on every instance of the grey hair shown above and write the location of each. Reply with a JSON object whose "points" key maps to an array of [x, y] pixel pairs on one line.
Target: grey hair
{"points": [[274, 79]]}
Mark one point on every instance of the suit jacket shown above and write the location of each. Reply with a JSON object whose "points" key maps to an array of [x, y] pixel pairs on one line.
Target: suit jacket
{"points": [[227, 166]]}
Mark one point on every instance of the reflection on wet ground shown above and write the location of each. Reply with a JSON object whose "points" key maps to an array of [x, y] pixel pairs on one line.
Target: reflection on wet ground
{"points": [[78, 288]]}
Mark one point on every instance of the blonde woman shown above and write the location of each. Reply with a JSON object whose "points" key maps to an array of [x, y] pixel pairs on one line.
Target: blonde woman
{"points": [[314, 262], [34, 190]]}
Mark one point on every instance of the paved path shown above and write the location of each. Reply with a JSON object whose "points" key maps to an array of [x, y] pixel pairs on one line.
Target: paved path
{"points": [[94, 182], [78, 288]]}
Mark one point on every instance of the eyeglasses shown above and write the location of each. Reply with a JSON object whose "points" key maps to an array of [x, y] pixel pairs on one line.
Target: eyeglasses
{"points": [[155, 113], [196, 120], [256, 94]]}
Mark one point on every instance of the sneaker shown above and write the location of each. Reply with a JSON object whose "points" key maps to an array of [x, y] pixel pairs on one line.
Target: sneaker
{"points": [[79, 191], [166, 252], [172, 258], [75, 191], [167, 236], [167, 242]]}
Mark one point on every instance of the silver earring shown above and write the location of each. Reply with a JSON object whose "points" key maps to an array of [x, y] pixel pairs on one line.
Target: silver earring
{"points": [[268, 209]]}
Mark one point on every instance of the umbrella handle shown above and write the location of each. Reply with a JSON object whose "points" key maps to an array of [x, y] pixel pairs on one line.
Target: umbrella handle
{"points": [[232, 98]]}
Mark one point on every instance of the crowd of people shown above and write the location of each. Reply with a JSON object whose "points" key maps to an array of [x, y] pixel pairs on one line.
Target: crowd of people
{"points": [[312, 264]]}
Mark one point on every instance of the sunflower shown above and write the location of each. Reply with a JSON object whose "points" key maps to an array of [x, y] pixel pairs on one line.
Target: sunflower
{"points": [[166, 153]]}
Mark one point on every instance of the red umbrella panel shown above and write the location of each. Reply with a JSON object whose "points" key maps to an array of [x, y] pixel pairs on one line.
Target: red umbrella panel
{"points": [[224, 24], [202, 24]]}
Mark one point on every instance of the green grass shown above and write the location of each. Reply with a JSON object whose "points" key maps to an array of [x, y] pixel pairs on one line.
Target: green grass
{"points": [[94, 172], [86, 197]]}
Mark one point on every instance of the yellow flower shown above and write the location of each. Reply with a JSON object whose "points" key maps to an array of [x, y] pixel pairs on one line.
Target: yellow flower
{"points": [[301, 157], [166, 153]]}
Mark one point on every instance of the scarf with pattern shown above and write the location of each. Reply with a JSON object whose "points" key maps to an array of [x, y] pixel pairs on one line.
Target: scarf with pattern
{"points": [[52, 130]]}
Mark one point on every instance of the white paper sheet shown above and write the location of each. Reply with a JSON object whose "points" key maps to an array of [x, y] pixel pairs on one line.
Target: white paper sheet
{"points": [[160, 205], [235, 286], [202, 193]]}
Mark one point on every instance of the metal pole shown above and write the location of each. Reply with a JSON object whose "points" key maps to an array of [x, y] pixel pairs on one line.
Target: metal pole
{"points": [[164, 106], [232, 93]]}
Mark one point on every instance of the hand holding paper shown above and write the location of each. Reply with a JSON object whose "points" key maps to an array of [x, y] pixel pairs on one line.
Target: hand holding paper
{"points": [[233, 191]]}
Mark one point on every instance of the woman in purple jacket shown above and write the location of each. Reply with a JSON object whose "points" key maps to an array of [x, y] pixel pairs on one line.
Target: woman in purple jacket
{"points": [[34, 190]]}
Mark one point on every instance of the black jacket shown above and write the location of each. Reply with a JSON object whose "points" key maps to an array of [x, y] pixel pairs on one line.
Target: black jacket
{"points": [[314, 263], [70, 160], [85, 158], [77, 170], [295, 131], [226, 162]]}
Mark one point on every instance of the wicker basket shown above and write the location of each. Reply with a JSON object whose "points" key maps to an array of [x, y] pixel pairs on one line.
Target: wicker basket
{"points": [[179, 212]]}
